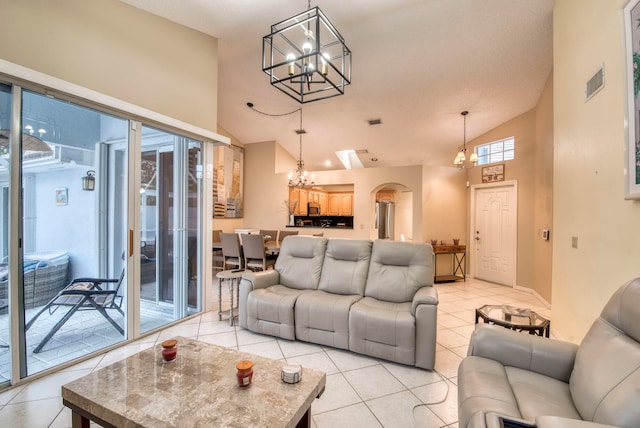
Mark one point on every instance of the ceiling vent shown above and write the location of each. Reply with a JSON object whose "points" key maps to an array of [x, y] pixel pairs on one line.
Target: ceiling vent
{"points": [[595, 84], [375, 121]]}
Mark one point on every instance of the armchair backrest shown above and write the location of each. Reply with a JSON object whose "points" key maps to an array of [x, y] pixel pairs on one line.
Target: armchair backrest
{"points": [[345, 267], [398, 270], [605, 380], [300, 261]]}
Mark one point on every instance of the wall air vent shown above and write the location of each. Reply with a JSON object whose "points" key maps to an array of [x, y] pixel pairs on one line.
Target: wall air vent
{"points": [[595, 84]]}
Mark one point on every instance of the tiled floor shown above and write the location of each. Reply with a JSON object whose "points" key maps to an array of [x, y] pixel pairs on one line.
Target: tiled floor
{"points": [[85, 332], [360, 391]]}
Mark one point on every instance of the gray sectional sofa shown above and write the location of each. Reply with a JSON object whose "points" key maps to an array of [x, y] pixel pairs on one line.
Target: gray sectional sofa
{"points": [[371, 297], [554, 384]]}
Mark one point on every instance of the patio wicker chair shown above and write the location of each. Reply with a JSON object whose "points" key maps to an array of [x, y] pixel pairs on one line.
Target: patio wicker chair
{"points": [[83, 294]]}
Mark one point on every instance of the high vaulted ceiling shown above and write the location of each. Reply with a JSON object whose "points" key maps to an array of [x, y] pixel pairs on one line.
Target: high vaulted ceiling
{"points": [[416, 65]]}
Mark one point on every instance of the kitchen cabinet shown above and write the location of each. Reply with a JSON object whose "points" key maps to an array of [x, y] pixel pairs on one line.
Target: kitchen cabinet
{"points": [[340, 204], [346, 204], [304, 200], [302, 197], [324, 203]]}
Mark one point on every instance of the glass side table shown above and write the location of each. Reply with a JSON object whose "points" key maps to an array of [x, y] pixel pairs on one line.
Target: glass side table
{"points": [[514, 318]]}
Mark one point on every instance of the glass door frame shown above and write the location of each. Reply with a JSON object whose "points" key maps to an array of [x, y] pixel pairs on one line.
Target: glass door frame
{"points": [[44, 84]]}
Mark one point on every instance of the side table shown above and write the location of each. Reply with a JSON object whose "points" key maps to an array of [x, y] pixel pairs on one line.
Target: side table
{"points": [[531, 322], [233, 276], [458, 261]]}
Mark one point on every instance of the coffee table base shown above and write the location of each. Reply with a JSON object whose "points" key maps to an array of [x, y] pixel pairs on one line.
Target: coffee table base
{"points": [[541, 329], [82, 419]]}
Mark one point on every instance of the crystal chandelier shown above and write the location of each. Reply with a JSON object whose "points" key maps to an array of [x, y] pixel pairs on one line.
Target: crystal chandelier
{"points": [[306, 57], [461, 158], [300, 177]]}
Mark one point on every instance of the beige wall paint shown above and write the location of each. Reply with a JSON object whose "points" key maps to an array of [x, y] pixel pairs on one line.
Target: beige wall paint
{"points": [[117, 50], [588, 166], [543, 193], [444, 204], [266, 191], [522, 170]]}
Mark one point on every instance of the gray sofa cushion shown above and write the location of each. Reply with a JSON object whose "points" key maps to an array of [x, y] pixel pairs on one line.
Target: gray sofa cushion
{"points": [[323, 318], [345, 268], [300, 261], [270, 310], [606, 376], [383, 329], [537, 394], [485, 389], [398, 269]]}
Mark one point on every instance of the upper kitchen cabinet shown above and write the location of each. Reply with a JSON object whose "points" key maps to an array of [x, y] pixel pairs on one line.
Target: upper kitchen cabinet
{"points": [[340, 204]]}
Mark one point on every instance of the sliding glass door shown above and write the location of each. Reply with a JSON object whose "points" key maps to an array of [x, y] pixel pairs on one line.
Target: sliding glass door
{"points": [[5, 132], [70, 222], [74, 226], [170, 227]]}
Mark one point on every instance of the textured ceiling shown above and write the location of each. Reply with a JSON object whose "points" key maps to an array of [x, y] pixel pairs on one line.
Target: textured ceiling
{"points": [[416, 65]]}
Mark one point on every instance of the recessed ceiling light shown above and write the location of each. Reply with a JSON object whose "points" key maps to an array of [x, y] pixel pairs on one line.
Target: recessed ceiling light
{"points": [[374, 159], [327, 163]]}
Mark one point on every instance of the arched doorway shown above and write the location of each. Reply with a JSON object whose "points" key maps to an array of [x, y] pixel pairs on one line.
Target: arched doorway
{"points": [[392, 206]]}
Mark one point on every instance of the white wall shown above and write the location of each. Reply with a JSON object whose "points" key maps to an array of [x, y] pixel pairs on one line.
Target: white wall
{"points": [[66, 227]]}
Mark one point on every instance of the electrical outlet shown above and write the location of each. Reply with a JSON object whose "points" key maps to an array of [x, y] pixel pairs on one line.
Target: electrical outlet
{"points": [[574, 242]]}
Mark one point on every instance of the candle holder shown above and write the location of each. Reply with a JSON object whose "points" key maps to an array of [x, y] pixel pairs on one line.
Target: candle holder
{"points": [[244, 373], [169, 350]]}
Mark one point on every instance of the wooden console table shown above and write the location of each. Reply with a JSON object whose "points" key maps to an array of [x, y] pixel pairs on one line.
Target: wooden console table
{"points": [[458, 260]]}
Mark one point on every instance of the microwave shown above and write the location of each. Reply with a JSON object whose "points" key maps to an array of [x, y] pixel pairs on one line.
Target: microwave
{"points": [[313, 209]]}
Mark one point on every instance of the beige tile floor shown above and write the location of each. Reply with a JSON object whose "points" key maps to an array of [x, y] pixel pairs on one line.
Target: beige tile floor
{"points": [[360, 391]]}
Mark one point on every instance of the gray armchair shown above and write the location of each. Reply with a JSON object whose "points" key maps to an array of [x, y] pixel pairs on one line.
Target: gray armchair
{"points": [[555, 384]]}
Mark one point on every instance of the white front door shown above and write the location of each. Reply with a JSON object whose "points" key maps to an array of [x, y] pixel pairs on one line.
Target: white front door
{"points": [[494, 232]]}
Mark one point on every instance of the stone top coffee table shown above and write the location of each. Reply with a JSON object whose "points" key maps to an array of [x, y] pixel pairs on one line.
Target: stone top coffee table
{"points": [[197, 389]]}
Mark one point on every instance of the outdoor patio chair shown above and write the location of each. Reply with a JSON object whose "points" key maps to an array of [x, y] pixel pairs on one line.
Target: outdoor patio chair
{"points": [[83, 294]]}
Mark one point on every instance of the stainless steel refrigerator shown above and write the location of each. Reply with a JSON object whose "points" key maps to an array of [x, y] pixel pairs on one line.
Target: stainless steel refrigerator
{"points": [[384, 220]]}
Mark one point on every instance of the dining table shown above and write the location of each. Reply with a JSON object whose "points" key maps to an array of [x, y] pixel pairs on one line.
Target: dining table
{"points": [[271, 247]]}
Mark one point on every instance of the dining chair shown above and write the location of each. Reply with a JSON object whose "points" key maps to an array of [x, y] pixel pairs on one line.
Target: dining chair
{"points": [[218, 258], [231, 251], [284, 233], [270, 235], [255, 256]]}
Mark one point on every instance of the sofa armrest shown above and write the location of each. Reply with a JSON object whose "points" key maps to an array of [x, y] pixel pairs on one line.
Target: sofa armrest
{"points": [[425, 310], [252, 281], [548, 357], [558, 422], [492, 420], [261, 279], [424, 296]]}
